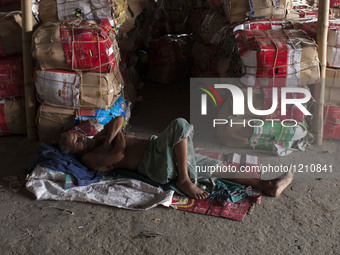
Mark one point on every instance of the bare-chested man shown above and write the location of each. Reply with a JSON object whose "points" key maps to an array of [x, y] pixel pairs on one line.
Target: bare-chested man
{"points": [[162, 159]]}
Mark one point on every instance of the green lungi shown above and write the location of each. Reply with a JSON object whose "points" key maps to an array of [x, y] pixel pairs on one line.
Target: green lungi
{"points": [[159, 162]]}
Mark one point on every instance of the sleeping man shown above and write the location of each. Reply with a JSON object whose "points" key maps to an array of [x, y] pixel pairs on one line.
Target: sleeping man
{"points": [[163, 159]]}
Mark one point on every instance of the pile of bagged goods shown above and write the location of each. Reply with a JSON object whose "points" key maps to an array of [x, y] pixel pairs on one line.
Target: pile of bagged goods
{"points": [[93, 56], [77, 58], [12, 103]]}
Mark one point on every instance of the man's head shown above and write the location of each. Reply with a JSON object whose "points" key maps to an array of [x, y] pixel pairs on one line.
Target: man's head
{"points": [[74, 143]]}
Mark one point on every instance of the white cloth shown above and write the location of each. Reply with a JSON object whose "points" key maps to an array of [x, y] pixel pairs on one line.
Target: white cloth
{"points": [[47, 184]]}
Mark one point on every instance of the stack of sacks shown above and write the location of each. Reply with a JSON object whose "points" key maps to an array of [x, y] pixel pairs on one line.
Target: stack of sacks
{"points": [[53, 10], [79, 70], [335, 8], [170, 58], [332, 103], [241, 10], [331, 126], [333, 42], [10, 5], [214, 49], [12, 103], [277, 58], [272, 57], [177, 12], [133, 32], [303, 10], [265, 134]]}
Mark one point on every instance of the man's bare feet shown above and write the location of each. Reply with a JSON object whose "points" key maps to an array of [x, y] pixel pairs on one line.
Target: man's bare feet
{"points": [[191, 190], [276, 186]]}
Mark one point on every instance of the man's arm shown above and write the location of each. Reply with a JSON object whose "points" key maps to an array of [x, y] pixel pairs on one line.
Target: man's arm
{"points": [[110, 131], [102, 159]]}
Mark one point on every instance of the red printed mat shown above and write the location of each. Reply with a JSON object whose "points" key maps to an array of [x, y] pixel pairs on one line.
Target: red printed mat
{"points": [[234, 211]]}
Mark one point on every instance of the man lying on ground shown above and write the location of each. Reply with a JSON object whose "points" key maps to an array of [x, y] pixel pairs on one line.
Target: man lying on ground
{"points": [[163, 159]]}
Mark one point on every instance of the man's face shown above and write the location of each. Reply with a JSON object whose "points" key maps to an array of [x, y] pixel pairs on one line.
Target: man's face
{"points": [[78, 143]]}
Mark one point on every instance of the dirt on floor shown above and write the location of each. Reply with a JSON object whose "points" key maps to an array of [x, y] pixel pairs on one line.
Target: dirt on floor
{"points": [[303, 220]]}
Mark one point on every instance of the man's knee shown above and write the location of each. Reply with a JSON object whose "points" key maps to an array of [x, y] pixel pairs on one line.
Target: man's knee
{"points": [[179, 122]]}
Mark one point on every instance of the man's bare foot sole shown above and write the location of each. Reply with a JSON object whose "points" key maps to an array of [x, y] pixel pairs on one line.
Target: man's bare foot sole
{"points": [[279, 184], [191, 190]]}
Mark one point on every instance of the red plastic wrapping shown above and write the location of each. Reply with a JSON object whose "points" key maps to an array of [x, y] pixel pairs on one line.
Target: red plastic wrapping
{"points": [[90, 46], [11, 77]]}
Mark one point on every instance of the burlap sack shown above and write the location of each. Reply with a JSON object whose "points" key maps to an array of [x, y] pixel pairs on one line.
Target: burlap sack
{"points": [[13, 116], [10, 33], [52, 121], [52, 10]]}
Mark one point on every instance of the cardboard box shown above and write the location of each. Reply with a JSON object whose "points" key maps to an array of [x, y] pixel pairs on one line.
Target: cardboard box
{"points": [[83, 90], [241, 10], [53, 10], [12, 116], [10, 33], [53, 121], [332, 89]]}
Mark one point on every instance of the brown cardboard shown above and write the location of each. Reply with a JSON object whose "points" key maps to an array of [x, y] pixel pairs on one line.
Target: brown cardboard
{"points": [[241, 10], [15, 115], [47, 46], [10, 33], [332, 89], [100, 90], [52, 121]]}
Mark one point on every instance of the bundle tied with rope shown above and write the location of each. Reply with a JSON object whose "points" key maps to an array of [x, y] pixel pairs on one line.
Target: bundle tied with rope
{"points": [[76, 45], [53, 10], [278, 58], [79, 90], [10, 33], [241, 10]]}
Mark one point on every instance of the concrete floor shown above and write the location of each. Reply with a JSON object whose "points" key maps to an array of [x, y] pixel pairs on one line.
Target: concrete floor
{"points": [[303, 220]]}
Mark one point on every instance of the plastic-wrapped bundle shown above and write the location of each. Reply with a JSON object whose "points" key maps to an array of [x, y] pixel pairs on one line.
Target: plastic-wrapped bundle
{"points": [[11, 77], [241, 10], [278, 58], [88, 46], [113, 10], [83, 90]]}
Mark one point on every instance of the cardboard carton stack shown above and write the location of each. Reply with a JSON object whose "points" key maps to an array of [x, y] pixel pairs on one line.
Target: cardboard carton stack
{"points": [[12, 103], [331, 109], [77, 56]]}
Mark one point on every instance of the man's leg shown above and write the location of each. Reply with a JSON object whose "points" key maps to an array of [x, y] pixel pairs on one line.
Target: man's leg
{"points": [[184, 183], [270, 187]]}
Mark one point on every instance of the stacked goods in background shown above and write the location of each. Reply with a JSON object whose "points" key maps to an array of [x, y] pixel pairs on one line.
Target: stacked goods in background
{"points": [[10, 5], [53, 10], [12, 103], [170, 58], [335, 8], [331, 108], [78, 76], [271, 57]]}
